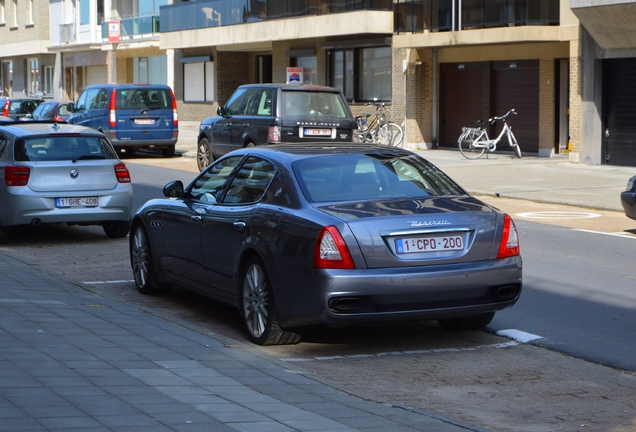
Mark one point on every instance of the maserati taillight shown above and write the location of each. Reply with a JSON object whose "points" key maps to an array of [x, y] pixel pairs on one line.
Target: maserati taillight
{"points": [[331, 251], [509, 246]]}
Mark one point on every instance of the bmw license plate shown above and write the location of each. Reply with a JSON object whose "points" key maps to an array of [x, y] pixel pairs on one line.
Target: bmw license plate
{"points": [[429, 244], [144, 121], [76, 202]]}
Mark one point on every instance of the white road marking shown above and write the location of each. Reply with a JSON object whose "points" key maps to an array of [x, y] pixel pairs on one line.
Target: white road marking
{"points": [[107, 282], [395, 353], [614, 234], [558, 215], [518, 335]]}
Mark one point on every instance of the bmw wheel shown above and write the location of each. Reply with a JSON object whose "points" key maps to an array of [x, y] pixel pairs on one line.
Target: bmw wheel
{"points": [[258, 308], [142, 264], [116, 229], [204, 154]]}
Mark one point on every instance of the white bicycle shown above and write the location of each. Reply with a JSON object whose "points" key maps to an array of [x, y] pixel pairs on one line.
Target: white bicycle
{"points": [[473, 142]]}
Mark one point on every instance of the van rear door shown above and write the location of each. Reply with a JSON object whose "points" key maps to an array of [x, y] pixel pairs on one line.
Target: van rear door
{"points": [[145, 113]]}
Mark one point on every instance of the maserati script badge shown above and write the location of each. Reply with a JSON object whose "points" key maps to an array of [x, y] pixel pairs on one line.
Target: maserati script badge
{"points": [[74, 173]]}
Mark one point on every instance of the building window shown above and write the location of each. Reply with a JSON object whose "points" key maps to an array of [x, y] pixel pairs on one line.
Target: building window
{"points": [[85, 12], [48, 80], [310, 67], [34, 77], [198, 82], [15, 13], [150, 70], [363, 74], [264, 63], [6, 78], [30, 17], [2, 18]]}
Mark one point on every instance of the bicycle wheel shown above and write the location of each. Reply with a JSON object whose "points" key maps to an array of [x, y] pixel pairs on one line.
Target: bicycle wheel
{"points": [[467, 148], [396, 134], [514, 144], [384, 134]]}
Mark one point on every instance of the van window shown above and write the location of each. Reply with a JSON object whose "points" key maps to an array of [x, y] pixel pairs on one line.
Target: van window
{"points": [[144, 99], [88, 99]]}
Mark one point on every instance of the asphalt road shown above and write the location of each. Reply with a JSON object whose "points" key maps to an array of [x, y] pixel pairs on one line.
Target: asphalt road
{"points": [[477, 377]]}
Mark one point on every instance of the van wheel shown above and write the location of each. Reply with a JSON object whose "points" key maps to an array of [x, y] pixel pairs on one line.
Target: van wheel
{"points": [[130, 151], [168, 152]]}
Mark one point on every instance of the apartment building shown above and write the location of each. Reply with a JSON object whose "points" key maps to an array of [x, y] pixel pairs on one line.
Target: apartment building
{"points": [[26, 66], [114, 41], [564, 65]]}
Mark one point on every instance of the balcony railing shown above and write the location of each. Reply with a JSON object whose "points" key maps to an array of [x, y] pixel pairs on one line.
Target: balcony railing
{"points": [[67, 33], [215, 13], [136, 28], [447, 15]]}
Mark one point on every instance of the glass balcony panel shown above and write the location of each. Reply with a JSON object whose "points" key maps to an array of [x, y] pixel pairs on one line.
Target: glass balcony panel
{"points": [[495, 13], [213, 13], [409, 16]]}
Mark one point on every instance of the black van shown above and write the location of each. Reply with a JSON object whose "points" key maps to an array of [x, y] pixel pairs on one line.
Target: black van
{"points": [[132, 116]]}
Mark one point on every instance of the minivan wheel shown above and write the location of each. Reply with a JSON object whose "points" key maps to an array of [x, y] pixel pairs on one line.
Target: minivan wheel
{"points": [[204, 154], [168, 152]]}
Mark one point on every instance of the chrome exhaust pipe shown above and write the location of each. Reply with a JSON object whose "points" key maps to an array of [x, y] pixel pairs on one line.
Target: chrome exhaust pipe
{"points": [[36, 222], [345, 304]]}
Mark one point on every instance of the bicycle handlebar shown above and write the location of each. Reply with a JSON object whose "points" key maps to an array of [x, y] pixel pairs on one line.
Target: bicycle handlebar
{"points": [[493, 120]]}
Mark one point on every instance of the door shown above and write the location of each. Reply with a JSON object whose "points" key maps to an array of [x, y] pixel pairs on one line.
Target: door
{"points": [[222, 128], [238, 220], [619, 93]]}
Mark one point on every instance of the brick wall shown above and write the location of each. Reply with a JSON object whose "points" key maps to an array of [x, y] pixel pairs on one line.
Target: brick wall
{"points": [[575, 105], [546, 107]]}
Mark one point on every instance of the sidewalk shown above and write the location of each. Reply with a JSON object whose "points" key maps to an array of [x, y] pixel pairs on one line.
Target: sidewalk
{"points": [[73, 360], [552, 180]]}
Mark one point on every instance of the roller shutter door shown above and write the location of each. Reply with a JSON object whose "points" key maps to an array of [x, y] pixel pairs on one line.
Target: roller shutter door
{"points": [[96, 75], [518, 88], [472, 91], [619, 111]]}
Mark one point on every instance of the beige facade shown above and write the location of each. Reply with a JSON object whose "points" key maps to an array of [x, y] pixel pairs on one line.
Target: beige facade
{"points": [[24, 37]]}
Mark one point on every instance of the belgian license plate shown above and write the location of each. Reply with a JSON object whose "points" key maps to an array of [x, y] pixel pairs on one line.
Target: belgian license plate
{"points": [[429, 244], [144, 121], [76, 202], [318, 132]]}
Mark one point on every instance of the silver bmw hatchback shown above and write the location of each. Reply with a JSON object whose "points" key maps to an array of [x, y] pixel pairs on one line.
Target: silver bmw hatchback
{"points": [[59, 173]]}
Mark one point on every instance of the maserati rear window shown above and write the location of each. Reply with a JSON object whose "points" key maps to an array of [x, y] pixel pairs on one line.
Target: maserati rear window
{"points": [[370, 177]]}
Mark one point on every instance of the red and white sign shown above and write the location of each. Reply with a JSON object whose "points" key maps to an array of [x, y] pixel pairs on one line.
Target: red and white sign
{"points": [[113, 31], [294, 75]]}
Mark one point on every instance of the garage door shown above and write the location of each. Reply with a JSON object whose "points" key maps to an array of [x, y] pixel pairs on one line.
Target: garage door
{"points": [[619, 111], [479, 90], [96, 75]]}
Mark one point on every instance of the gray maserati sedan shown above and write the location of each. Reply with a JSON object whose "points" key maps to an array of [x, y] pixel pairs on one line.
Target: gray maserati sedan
{"points": [[295, 235]]}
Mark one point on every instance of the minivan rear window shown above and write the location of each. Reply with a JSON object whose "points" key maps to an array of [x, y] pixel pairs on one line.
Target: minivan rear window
{"points": [[143, 99]]}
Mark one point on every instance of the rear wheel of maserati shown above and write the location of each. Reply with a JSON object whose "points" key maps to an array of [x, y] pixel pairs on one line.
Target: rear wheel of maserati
{"points": [[259, 310], [473, 322]]}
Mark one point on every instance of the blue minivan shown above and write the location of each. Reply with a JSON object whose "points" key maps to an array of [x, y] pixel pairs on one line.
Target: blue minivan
{"points": [[132, 116]]}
